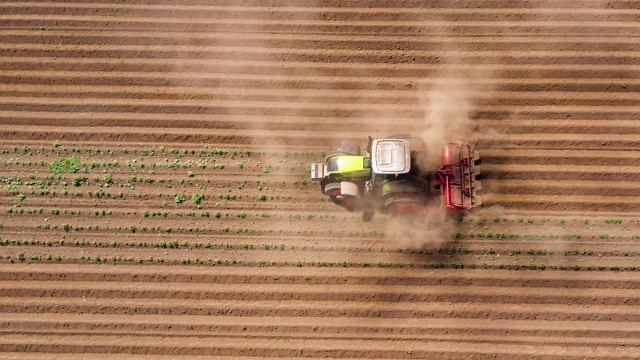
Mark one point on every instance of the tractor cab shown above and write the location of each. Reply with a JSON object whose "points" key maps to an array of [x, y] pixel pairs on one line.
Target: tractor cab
{"points": [[390, 156]]}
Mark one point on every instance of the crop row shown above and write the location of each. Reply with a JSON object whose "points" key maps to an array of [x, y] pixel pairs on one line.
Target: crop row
{"points": [[66, 227], [105, 188], [58, 149], [501, 235], [197, 199], [76, 164], [147, 214], [450, 252], [543, 220], [134, 228], [119, 258]]}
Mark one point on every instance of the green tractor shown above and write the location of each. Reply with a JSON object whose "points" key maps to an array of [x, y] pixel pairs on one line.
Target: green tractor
{"points": [[391, 175]]}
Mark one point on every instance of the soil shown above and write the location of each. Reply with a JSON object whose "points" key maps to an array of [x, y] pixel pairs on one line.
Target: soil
{"points": [[194, 229]]}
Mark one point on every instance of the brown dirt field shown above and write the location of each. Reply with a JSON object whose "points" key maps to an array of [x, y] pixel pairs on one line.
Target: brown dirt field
{"points": [[232, 100]]}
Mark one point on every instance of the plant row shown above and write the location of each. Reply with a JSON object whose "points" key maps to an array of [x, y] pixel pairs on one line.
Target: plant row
{"points": [[115, 259], [452, 251], [501, 235], [58, 149]]}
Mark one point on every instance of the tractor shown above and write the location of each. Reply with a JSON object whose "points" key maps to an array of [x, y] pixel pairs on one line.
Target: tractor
{"points": [[393, 175]]}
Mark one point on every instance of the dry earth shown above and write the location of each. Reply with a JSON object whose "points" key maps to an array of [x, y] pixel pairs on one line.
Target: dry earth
{"points": [[194, 229]]}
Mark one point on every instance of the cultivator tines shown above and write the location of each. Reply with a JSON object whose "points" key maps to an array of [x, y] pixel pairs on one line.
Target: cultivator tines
{"points": [[456, 177]]}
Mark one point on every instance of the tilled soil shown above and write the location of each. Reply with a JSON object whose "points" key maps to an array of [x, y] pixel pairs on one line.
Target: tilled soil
{"points": [[156, 201]]}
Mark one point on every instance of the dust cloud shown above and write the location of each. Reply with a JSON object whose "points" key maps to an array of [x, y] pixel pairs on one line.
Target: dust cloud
{"points": [[431, 227], [449, 100], [448, 105]]}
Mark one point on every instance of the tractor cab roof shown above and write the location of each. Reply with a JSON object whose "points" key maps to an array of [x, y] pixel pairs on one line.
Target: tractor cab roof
{"points": [[390, 156]]}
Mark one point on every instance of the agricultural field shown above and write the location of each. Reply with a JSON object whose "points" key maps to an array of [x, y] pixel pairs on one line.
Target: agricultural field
{"points": [[156, 203]]}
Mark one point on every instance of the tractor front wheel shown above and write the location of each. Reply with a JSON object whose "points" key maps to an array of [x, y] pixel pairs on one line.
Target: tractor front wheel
{"points": [[347, 201], [332, 189]]}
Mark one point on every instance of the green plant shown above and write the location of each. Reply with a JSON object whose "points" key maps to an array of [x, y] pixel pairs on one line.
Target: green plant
{"points": [[197, 198], [79, 180], [64, 164], [613, 221]]}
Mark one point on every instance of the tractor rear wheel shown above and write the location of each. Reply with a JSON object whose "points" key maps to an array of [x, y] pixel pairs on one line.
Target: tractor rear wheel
{"points": [[405, 136], [333, 153], [404, 202], [347, 148]]}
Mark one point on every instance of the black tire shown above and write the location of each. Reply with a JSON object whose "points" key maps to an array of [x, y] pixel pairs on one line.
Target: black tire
{"points": [[348, 202], [344, 150], [404, 203], [406, 136], [350, 148], [334, 153], [331, 186], [403, 199]]}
